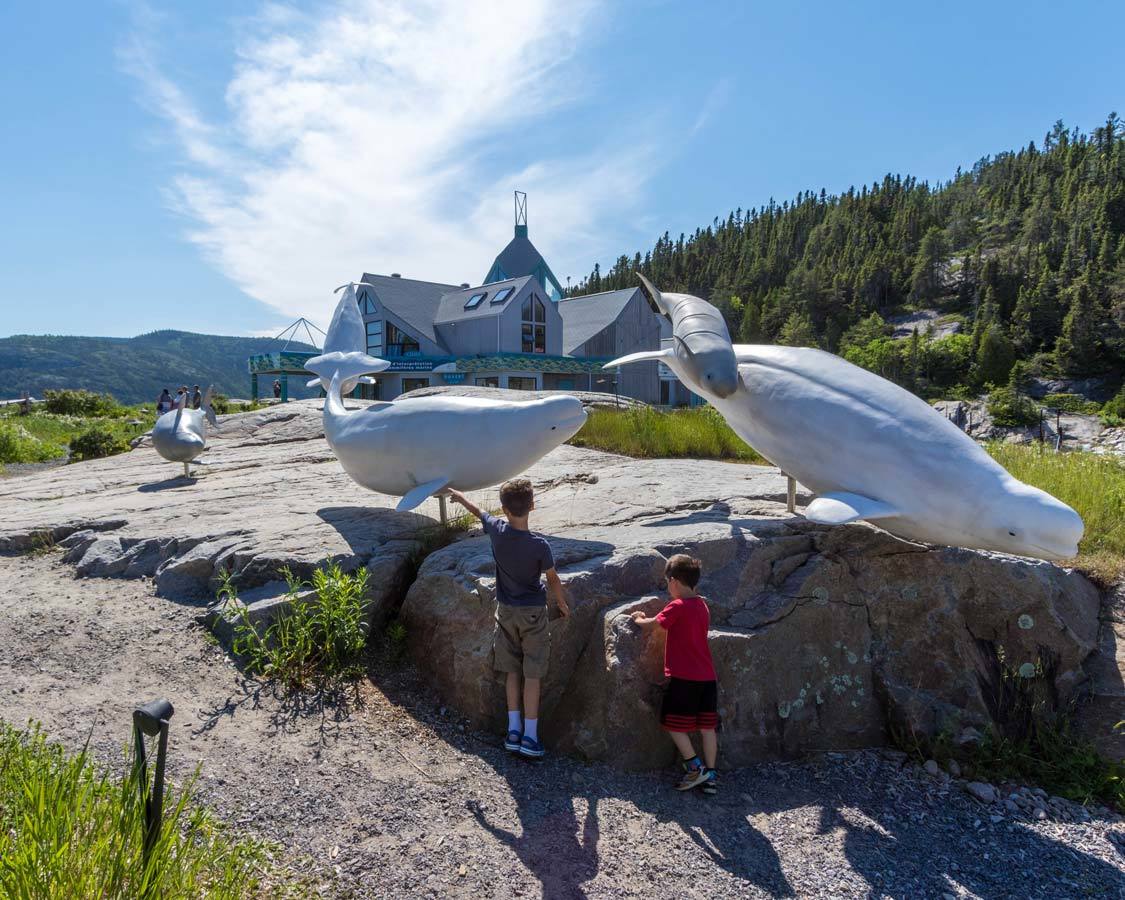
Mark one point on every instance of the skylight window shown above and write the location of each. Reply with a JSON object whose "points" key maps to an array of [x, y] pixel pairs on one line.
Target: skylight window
{"points": [[502, 295], [476, 300]]}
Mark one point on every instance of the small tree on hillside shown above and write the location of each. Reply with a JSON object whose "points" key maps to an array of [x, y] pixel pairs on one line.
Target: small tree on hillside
{"points": [[798, 331], [1079, 346], [995, 356], [925, 282]]}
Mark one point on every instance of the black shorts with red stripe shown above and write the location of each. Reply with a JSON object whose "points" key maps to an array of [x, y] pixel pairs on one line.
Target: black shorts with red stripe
{"points": [[690, 706]]}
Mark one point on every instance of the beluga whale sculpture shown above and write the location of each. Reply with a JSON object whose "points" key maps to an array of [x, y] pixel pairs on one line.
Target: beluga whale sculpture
{"points": [[866, 447], [346, 334], [180, 435], [418, 447]]}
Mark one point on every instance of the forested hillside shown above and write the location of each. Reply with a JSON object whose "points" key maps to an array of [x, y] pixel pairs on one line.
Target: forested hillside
{"points": [[1024, 254], [133, 369]]}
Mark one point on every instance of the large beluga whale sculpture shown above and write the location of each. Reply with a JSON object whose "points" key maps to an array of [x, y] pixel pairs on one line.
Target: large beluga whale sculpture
{"points": [[869, 449], [418, 447], [180, 435], [346, 334]]}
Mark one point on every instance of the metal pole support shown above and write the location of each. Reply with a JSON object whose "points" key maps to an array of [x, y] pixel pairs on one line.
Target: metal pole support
{"points": [[790, 493], [151, 720], [443, 506]]}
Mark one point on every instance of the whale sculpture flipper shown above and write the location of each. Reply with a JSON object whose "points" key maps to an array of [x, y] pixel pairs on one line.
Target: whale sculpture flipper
{"points": [[661, 355], [840, 507], [349, 365], [417, 495]]}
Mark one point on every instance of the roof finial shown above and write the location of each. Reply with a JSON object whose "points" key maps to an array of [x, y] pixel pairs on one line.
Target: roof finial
{"points": [[521, 213]]}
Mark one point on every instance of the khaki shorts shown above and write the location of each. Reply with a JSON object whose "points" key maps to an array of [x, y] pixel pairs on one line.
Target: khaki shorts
{"points": [[522, 640]]}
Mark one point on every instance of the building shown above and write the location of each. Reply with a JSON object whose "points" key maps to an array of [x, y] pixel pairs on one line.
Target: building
{"points": [[515, 330]]}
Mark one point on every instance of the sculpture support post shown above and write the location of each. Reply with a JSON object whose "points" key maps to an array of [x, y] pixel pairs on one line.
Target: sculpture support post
{"points": [[443, 506], [791, 493]]}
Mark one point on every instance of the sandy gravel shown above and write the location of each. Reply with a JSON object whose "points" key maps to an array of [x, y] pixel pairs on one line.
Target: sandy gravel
{"points": [[384, 793]]}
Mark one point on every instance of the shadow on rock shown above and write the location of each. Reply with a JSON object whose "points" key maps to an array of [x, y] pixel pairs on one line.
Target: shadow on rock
{"points": [[168, 484]]}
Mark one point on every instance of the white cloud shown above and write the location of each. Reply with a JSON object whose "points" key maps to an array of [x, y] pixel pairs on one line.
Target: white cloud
{"points": [[385, 136]]}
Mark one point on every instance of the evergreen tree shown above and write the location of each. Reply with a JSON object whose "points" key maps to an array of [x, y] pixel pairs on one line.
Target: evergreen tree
{"points": [[995, 356], [925, 283], [1079, 345], [798, 331]]}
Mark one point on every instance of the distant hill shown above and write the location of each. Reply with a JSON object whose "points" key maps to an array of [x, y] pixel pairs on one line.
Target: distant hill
{"points": [[133, 369]]}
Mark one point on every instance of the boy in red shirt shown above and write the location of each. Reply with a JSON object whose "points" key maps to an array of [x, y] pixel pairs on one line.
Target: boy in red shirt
{"points": [[691, 700]]}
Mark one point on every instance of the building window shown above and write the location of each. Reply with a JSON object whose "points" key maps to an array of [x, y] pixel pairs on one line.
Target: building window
{"points": [[533, 326], [476, 300], [375, 338], [502, 295], [399, 343], [367, 303], [412, 384], [489, 381], [517, 383]]}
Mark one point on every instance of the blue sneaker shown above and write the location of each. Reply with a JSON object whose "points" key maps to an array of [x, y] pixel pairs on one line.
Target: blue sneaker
{"points": [[531, 747], [512, 741]]}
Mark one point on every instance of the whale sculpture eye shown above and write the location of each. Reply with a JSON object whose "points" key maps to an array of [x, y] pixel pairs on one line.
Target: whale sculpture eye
{"points": [[1012, 533], [553, 427]]}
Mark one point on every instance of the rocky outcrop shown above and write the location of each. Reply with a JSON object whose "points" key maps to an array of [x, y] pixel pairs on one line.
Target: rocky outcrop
{"points": [[1078, 431], [824, 638]]}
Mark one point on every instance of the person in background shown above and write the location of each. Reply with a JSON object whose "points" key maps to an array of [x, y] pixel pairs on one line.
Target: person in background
{"points": [[196, 398], [277, 389], [163, 402]]}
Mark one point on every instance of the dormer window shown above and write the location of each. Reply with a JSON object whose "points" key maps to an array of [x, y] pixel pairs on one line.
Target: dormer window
{"points": [[476, 300], [502, 295], [533, 326], [367, 303]]}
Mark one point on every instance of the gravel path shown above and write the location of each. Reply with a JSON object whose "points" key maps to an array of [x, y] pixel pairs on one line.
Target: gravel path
{"points": [[383, 793]]}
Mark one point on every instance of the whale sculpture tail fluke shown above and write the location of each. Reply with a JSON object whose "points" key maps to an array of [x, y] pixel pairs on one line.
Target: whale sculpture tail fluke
{"points": [[348, 365]]}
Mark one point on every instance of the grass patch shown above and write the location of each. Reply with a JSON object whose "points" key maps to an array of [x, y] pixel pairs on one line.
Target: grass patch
{"points": [[318, 638], [699, 433], [45, 435], [1093, 484], [70, 829]]}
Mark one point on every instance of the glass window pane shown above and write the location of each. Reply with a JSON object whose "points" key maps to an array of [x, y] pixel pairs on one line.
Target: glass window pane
{"points": [[502, 295], [540, 312], [525, 310], [540, 338], [474, 301]]}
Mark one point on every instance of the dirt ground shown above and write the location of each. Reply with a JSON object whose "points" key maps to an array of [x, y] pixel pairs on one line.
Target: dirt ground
{"points": [[383, 792]]}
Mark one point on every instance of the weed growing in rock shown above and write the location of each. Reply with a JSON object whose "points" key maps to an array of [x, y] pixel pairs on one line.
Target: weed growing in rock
{"points": [[318, 636], [1030, 742], [68, 829]]}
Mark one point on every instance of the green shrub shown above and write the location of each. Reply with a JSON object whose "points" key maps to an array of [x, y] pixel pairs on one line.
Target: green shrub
{"points": [[68, 829], [1113, 411], [96, 442], [81, 403], [1073, 403], [1007, 407], [17, 445], [698, 433], [220, 403], [316, 637]]}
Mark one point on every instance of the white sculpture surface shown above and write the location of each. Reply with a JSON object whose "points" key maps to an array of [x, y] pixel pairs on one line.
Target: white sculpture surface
{"points": [[869, 449], [180, 435], [418, 447], [346, 334]]}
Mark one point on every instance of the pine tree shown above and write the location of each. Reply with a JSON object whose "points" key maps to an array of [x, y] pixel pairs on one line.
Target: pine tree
{"points": [[995, 356], [798, 331], [750, 328], [1079, 345], [925, 283]]}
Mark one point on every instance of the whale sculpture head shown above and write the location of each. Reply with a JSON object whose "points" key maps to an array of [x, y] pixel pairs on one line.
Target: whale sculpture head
{"points": [[553, 420], [1029, 522], [701, 355]]}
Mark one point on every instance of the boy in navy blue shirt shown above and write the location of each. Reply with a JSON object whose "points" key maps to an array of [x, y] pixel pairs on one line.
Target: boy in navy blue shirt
{"points": [[522, 639]]}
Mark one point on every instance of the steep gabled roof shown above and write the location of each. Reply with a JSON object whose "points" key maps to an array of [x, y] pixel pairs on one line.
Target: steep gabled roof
{"points": [[583, 317], [521, 258], [452, 306], [415, 302]]}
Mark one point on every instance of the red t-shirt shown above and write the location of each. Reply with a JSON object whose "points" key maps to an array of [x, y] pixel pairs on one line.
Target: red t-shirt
{"points": [[686, 654]]}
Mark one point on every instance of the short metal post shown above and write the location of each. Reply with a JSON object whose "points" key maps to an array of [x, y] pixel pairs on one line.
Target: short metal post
{"points": [[151, 719], [284, 388], [254, 386], [443, 506], [791, 493]]}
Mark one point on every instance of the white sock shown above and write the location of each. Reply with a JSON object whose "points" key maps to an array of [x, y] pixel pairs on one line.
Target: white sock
{"points": [[513, 720], [531, 729]]}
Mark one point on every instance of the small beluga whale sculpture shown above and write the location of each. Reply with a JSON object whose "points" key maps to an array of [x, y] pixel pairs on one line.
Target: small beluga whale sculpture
{"points": [[419, 447], [866, 447], [180, 435], [346, 334]]}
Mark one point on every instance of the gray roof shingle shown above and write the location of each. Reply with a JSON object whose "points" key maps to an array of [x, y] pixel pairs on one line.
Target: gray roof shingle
{"points": [[585, 316], [415, 302]]}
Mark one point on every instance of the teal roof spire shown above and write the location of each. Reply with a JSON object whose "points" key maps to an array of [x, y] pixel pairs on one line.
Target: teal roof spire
{"points": [[521, 258]]}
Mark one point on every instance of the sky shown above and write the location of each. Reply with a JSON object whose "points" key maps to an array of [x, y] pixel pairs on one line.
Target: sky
{"points": [[221, 165]]}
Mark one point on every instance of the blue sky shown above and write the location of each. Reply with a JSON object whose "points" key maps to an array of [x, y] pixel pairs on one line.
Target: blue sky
{"points": [[222, 166]]}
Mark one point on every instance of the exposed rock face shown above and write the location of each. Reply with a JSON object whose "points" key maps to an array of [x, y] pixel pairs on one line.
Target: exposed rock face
{"points": [[1079, 431], [823, 638]]}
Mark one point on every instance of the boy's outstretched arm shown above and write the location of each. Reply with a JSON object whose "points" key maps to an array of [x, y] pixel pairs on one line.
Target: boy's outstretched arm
{"points": [[467, 503], [556, 591], [646, 623]]}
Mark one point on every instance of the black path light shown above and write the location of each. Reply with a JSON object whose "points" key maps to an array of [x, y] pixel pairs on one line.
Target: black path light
{"points": [[151, 720]]}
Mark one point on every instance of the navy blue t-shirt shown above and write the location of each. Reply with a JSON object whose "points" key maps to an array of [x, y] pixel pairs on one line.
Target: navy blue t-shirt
{"points": [[521, 559]]}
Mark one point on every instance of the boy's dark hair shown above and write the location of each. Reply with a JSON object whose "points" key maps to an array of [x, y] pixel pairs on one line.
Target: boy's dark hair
{"points": [[685, 569], [516, 496]]}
